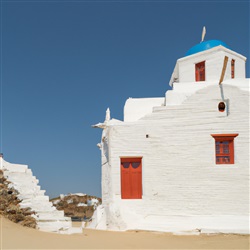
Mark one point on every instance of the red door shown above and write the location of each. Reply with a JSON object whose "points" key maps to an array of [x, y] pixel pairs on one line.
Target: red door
{"points": [[131, 178]]}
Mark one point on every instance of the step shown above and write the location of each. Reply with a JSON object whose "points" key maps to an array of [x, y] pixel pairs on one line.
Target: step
{"points": [[25, 188], [35, 189], [19, 174], [53, 219], [51, 215], [23, 183], [22, 178], [38, 206], [32, 197], [42, 192], [29, 171], [29, 194], [49, 219], [53, 226], [14, 167], [37, 202]]}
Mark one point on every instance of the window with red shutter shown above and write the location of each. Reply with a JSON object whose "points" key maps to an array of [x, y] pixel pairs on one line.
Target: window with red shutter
{"points": [[131, 178], [200, 71], [232, 68], [224, 148]]}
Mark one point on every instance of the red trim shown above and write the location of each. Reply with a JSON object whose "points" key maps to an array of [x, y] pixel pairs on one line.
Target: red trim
{"points": [[129, 159], [224, 136]]}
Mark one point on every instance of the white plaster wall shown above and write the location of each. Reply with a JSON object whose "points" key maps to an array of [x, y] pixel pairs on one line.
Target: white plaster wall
{"points": [[183, 188], [214, 59], [106, 184], [181, 91], [136, 108]]}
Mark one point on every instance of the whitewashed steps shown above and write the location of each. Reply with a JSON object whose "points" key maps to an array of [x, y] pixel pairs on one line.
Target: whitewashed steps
{"points": [[48, 218], [51, 215], [54, 226]]}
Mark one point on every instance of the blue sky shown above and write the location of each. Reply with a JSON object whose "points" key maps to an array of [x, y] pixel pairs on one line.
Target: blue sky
{"points": [[64, 62]]}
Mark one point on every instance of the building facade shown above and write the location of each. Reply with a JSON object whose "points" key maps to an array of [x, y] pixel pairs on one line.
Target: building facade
{"points": [[180, 163]]}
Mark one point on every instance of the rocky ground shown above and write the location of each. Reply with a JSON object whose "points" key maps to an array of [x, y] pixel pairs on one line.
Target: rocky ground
{"points": [[9, 205], [77, 206]]}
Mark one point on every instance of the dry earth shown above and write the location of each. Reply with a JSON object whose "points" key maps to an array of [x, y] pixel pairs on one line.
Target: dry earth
{"points": [[14, 236]]}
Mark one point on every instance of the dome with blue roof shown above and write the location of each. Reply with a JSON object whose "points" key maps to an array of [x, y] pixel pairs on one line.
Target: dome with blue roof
{"points": [[205, 46]]}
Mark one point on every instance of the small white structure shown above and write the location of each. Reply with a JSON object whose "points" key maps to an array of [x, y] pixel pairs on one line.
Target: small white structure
{"points": [[180, 163], [48, 218]]}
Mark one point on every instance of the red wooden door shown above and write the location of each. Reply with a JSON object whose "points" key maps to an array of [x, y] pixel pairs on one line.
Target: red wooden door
{"points": [[131, 178]]}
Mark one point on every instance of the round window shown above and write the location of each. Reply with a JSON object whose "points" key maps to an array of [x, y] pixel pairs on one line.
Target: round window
{"points": [[221, 106]]}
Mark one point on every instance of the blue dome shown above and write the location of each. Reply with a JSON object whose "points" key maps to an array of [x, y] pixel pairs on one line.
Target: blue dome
{"points": [[205, 46]]}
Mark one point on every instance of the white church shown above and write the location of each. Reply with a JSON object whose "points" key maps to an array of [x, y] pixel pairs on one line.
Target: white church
{"points": [[180, 163]]}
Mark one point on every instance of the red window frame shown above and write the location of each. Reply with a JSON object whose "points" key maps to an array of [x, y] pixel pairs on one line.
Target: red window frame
{"points": [[200, 72], [224, 148], [232, 68], [131, 178]]}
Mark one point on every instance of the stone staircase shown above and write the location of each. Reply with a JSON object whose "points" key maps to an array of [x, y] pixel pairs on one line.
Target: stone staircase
{"points": [[48, 218]]}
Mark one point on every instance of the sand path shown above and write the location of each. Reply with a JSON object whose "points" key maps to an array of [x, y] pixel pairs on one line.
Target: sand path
{"points": [[14, 236]]}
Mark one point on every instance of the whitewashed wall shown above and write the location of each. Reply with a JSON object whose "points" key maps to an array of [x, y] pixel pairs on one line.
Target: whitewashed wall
{"points": [[183, 188], [136, 108], [214, 59]]}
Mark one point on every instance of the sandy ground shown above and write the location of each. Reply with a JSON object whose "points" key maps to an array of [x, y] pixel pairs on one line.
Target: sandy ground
{"points": [[14, 236]]}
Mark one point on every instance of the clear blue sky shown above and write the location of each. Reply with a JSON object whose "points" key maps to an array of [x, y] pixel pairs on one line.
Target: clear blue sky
{"points": [[64, 62]]}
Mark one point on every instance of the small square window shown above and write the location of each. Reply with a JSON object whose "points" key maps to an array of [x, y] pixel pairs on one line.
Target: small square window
{"points": [[224, 148]]}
